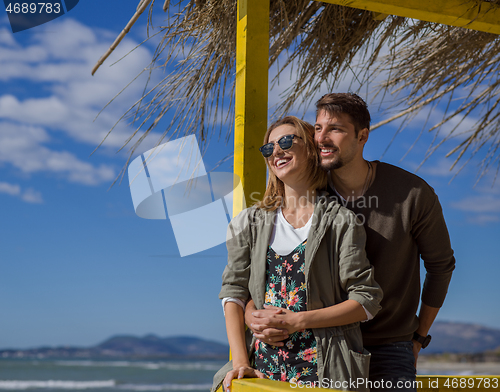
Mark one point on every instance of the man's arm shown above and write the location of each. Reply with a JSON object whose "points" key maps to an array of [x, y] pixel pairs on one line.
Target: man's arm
{"points": [[343, 313], [434, 245], [426, 317]]}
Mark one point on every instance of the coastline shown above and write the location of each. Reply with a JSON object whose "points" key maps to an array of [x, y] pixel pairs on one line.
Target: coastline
{"points": [[435, 367]]}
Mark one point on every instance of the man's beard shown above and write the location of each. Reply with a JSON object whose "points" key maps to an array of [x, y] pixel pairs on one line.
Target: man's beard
{"points": [[337, 164]]}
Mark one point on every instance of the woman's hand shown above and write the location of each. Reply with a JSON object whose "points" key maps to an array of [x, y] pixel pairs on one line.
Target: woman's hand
{"points": [[278, 318], [240, 372], [257, 321]]}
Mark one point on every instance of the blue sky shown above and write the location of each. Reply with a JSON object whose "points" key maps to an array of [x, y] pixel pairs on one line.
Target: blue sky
{"points": [[77, 265]]}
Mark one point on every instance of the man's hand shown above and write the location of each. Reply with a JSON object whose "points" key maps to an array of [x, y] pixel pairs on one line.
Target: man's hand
{"points": [[426, 317], [262, 325]]}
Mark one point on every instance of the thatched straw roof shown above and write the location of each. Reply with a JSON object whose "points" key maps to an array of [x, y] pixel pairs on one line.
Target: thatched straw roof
{"points": [[426, 62]]}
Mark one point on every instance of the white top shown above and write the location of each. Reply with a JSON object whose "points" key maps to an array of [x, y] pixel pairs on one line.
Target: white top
{"points": [[285, 237]]}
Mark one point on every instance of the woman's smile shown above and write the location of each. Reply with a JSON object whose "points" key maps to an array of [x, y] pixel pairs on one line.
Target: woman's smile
{"points": [[281, 162]]}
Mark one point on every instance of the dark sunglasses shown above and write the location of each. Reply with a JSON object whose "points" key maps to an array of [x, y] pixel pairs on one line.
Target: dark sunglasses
{"points": [[285, 143]]}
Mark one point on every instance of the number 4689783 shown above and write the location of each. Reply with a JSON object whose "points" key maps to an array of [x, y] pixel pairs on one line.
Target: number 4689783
{"points": [[33, 8]]}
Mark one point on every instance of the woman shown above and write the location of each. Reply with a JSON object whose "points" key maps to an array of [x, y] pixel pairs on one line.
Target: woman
{"points": [[300, 251]]}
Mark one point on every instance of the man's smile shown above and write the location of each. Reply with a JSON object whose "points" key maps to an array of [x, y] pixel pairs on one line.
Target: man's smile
{"points": [[327, 150]]}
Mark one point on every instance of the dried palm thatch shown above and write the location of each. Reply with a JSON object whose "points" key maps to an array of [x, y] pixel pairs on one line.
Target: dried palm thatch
{"points": [[435, 64], [426, 64]]}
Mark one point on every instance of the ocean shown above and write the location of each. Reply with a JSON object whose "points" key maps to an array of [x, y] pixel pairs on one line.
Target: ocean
{"points": [[47, 375], [105, 375]]}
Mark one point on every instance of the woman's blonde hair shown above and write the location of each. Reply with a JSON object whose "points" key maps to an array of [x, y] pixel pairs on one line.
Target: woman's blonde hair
{"points": [[274, 197]]}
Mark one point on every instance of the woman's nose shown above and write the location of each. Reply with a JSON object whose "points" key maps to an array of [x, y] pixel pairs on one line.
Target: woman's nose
{"points": [[277, 149]]}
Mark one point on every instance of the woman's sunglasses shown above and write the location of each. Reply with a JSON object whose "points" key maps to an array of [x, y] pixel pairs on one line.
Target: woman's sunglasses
{"points": [[285, 143]]}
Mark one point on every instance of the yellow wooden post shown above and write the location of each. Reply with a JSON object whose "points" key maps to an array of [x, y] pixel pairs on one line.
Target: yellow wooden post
{"points": [[471, 14], [252, 61]]}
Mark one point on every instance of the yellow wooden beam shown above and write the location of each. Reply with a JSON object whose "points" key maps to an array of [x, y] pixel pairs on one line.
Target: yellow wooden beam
{"points": [[481, 16], [265, 385], [252, 61]]}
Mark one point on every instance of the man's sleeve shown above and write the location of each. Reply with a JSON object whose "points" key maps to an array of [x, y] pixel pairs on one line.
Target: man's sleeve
{"points": [[433, 241], [356, 273]]}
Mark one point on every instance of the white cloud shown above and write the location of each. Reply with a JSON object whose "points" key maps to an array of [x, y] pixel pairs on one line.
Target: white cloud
{"points": [[10, 189], [479, 204], [32, 196], [21, 146], [60, 63], [483, 205], [441, 168], [6, 36], [29, 195], [55, 94], [484, 219]]}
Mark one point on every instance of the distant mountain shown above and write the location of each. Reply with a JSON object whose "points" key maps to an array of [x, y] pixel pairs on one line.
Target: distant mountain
{"points": [[447, 337], [149, 346], [453, 337], [152, 345]]}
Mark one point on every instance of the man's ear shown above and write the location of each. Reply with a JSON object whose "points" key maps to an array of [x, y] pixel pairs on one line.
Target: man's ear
{"points": [[363, 136]]}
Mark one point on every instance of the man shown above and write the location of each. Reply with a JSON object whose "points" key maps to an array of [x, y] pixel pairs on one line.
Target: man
{"points": [[403, 221]]}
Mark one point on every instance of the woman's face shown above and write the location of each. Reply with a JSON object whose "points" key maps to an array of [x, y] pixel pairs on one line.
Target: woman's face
{"points": [[290, 166]]}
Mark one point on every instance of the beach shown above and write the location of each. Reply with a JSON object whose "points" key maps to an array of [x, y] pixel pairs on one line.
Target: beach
{"points": [[154, 375], [434, 367]]}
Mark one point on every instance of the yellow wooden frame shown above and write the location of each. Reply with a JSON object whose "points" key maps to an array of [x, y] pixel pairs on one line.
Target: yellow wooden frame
{"points": [[474, 15], [252, 54], [252, 60], [424, 384]]}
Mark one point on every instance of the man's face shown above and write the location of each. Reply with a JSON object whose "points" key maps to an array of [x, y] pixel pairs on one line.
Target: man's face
{"points": [[336, 139]]}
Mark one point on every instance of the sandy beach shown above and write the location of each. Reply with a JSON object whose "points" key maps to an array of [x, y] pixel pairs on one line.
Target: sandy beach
{"points": [[426, 366]]}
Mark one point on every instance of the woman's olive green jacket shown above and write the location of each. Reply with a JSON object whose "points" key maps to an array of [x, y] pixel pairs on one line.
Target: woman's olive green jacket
{"points": [[336, 269]]}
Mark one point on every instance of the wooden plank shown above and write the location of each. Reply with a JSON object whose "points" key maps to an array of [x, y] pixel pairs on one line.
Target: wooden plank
{"points": [[252, 59], [265, 385], [481, 16]]}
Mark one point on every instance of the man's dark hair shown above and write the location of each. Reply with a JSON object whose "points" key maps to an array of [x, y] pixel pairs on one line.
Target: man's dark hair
{"points": [[347, 103]]}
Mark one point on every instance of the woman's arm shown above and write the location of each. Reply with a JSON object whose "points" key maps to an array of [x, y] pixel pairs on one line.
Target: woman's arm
{"points": [[235, 327], [355, 271]]}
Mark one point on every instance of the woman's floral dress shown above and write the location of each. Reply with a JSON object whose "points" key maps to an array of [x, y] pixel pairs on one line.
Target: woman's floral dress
{"points": [[285, 287]]}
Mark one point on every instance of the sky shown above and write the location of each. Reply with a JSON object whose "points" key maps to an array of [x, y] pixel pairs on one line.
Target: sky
{"points": [[77, 265]]}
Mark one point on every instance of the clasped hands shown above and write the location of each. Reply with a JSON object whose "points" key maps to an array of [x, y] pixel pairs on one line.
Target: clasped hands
{"points": [[272, 324]]}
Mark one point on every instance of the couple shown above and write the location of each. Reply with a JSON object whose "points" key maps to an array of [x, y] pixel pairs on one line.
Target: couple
{"points": [[302, 251]]}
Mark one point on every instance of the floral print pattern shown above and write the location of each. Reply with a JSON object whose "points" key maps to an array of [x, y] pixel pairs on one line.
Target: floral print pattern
{"points": [[296, 361]]}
